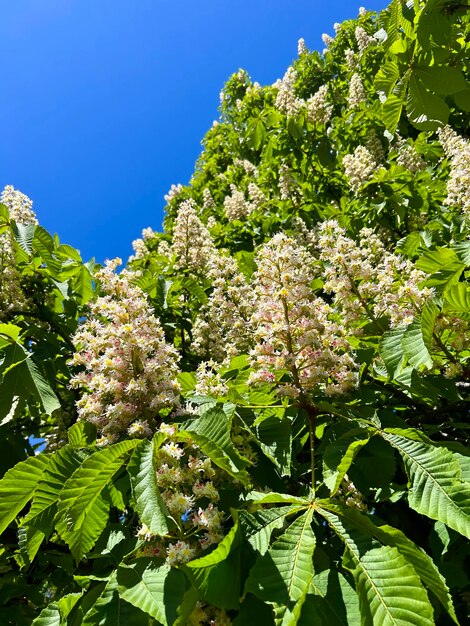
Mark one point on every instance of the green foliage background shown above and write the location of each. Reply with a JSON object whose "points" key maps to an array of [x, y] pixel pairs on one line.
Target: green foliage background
{"points": [[293, 552]]}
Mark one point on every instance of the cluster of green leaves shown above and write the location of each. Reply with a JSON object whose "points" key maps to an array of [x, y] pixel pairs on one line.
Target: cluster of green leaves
{"points": [[394, 548]]}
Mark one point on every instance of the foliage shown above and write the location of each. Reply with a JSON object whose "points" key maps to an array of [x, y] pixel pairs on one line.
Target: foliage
{"points": [[264, 418]]}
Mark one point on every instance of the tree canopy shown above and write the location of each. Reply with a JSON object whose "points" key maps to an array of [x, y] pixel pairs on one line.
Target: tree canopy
{"points": [[262, 419]]}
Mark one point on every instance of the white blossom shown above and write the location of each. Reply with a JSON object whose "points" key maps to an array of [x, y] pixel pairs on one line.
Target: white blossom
{"points": [[357, 94]]}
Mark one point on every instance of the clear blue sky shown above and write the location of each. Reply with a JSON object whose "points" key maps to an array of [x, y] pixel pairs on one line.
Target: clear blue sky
{"points": [[104, 102]]}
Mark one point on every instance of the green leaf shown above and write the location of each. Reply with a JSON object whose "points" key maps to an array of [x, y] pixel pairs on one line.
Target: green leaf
{"points": [[260, 497], [82, 434], [18, 486], [283, 574], [24, 234], [391, 350], [389, 590], [211, 432], [422, 563], [111, 610], [82, 538], [217, 576], [41, 388], [194, 289], [339, 455], [187, 380], [50, 616], [61, 466], [433, 27], [82, 284], [437, 490], [294, 129], [457, 301], [441, 79], [425, 110], [258, 527], [257, 134], [274, 436], [10, 332], [87, 482], [155, 590], [436, 260], [391, 111], [148, 501], [332, 601], [414, 347]]}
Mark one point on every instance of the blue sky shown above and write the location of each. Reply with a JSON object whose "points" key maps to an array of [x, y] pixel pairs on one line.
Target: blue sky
{"points": [[105, 102]]}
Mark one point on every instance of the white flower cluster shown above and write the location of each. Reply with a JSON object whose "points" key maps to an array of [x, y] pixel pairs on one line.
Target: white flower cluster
{"points": [[174, 192], [301, 47], [209, 381], [235, 205], [20, 207], [366, 278], [351, 59], [20, 210], [351, 496], [208, 200], [359, 167], [374, 145], [222, 328], [256, 196], [295, 331], [318, 109], [192, 244], [140, 245], [189, 486], [409, 158], [363, 39], [286, 100], [457, 150], [357, 94], [287, 184], [129, 370], [327, 40], [247, 166]]}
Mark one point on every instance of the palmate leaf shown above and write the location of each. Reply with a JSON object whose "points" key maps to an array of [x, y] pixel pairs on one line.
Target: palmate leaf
{"points": [[111, 610], [389, 590], [155, 590], [282, 576], [148, 501], [437, 489], [18, 486], [422, 563]]}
